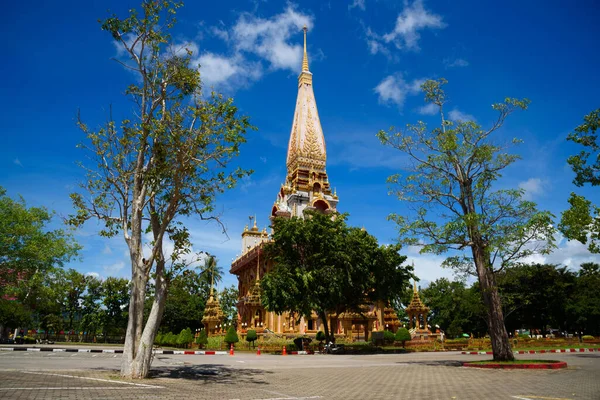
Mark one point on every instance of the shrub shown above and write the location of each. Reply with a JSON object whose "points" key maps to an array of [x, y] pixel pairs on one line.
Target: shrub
{"points": [[320, 336], [231, 336], [170, 339], [28, 340], [402, 335], [185, 337], [214, 342], [202, 339], [587, 337], [158, 339], [251, 336], [388, 336]]}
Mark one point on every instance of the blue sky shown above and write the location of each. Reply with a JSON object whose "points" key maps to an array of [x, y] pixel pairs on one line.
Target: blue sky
{"points": [[368, 58]]}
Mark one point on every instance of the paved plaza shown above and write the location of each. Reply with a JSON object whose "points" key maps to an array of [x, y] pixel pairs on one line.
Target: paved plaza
{"points": [[245, 376]]}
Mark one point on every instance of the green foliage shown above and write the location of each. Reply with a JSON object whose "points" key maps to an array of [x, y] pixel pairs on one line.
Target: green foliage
{"points": [[456, 205], [185, 337], [167, 160], [158, 339], [202, 339], [320, 336], [231, 336], [587, 337], [388, 336], [251, 336], [27, 245], [228, 299], [185, 303], [402, 335], [324, 265], [586, 164], [581, 221]]}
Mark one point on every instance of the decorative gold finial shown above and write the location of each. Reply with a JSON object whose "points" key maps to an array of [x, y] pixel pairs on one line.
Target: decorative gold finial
{"points": [[305, 57], [414, 286]]}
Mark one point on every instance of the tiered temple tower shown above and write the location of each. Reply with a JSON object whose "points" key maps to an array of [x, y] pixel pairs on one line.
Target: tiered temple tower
{"points": [[306, 187]]}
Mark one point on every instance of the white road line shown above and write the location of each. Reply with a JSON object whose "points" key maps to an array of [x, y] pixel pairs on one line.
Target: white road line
{"points": [[292, 398], [79, 388], [95, 379]]}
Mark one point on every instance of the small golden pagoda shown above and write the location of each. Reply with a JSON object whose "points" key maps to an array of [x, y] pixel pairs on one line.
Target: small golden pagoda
{"points": [[213, 314], [390, 319], [417, 314]]}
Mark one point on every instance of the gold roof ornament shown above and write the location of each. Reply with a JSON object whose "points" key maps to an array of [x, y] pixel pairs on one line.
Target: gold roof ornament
{"points": [[305, 56], [306, 148]]}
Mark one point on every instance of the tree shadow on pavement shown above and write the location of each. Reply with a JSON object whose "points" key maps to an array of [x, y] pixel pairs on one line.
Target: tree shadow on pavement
{"points": [[435, 363], [213, 373]]}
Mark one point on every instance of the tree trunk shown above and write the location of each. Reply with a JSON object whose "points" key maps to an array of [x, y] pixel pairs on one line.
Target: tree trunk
{"points": [[323, 317], [498, 336], [135, 321], [140, 363]]}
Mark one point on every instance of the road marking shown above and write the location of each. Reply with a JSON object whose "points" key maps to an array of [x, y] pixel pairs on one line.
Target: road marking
{"points": [[95, 379], [78, 388], [539, 397]]}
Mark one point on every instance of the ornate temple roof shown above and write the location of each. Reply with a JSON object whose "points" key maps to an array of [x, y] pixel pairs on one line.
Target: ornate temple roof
{"points": [[416, 305], [306, 147]]}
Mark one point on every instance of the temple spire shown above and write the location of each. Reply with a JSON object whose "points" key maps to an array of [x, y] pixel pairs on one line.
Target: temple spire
{"points": [[305, 57]]}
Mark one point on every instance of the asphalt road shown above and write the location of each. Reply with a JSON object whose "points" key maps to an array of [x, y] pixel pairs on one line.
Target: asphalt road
{"points": [[244, 376]]}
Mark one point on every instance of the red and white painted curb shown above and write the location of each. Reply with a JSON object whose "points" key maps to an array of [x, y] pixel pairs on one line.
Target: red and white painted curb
{"points": [[113, 351], [591, 349]]}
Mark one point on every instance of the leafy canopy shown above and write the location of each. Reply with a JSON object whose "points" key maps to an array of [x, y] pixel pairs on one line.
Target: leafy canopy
{"points": [[448, 188], [27, 244], [323, 264], [581, 221]]}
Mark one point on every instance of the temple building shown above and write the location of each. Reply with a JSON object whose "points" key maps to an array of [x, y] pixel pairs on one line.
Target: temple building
{"points": [[306, 187]]}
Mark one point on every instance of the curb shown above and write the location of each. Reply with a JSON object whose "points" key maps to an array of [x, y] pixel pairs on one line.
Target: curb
{"points": [[591, 349], [556, 365], [112, 351]]}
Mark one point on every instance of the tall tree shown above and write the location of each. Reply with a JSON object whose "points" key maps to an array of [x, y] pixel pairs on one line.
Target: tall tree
{"points": [[228, 299], [169, 160], [453, 205], [322, 264], [27, 244], [582, 220]]}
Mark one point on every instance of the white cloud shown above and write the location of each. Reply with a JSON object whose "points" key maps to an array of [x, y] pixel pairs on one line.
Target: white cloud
{"points": [[429, 109], [94, 274], [457, 115], [268, 38], [16, 161], [456, 63], [107, 249], [255, 44], [533, 187], [569, 253], [358, 3], [394, 89], [220, 33], [227, 73], [114, 269], [413, 19]]}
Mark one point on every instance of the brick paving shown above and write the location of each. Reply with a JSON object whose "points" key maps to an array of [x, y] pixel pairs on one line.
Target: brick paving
{"points": [[245, 377]]}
